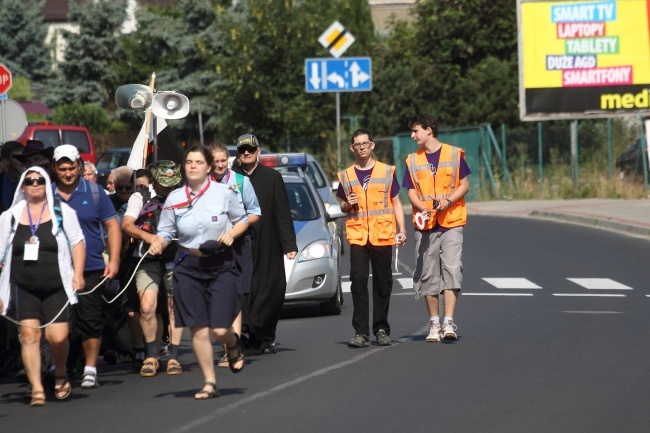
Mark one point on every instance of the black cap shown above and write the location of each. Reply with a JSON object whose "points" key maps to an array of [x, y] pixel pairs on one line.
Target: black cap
{"points": [[247, 140]]}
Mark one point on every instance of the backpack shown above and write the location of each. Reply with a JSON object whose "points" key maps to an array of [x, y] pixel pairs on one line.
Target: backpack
{"points": [[94, 190], [147, 220]]}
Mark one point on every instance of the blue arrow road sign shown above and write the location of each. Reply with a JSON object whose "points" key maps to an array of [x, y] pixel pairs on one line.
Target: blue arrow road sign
{"points": [[345, 74]]}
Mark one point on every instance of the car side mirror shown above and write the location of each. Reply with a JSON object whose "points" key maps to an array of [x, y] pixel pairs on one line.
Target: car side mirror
{"points": [[333, 212]]}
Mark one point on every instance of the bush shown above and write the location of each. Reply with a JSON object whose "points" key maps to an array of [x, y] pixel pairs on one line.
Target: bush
{"points": [[93, 117]]}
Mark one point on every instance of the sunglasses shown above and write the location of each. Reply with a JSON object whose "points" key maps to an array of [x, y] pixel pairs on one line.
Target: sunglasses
{"points": [[123, 188], [249, 149], [33, 181]]}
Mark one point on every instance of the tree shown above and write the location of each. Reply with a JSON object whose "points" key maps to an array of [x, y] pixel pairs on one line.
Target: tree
{"points": [[174, 42], [93, 117], [458, 60], [84, 76], [22, 38], [21, 89], [260, 66]]}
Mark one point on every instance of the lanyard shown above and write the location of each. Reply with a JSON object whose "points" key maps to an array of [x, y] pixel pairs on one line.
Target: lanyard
{"points": [[190, 199], [33, 227]]}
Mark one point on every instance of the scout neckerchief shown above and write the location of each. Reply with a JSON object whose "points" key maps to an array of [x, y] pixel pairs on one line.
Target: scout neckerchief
{"points": [[190, 199]]}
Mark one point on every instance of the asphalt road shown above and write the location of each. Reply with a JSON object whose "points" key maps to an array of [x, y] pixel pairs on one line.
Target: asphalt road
{"points": [[553, 337]]}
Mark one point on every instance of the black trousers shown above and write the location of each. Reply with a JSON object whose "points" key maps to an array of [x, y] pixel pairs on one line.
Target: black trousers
{"points": [[382, 286], [261, 313]]}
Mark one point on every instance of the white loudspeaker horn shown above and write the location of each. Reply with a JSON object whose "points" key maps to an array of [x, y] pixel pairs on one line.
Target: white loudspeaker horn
{"points": [[170, 105], [133, 97]]}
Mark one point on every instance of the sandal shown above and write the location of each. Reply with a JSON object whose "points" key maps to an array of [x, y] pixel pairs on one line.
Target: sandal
{"points": [[150, 367], [235, 354], [223, 362], [38, 399], [89, 380], [64, 390], [204, 394], [174, 367]]}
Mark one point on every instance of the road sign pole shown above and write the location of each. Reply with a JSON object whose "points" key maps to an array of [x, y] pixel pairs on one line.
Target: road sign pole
{"points": [[3, 121], [338, 130]]}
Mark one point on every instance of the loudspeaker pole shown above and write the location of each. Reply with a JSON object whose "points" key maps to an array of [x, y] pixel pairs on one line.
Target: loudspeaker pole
{"points": [[149, 121], [155, 139]]}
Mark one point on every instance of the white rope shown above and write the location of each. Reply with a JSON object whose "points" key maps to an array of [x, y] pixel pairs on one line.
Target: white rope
{"points": [[127, 283], [16, 322]]}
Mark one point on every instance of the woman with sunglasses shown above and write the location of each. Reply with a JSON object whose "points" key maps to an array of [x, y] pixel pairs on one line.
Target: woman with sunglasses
{"points": [[206, 217], [43, 255]]}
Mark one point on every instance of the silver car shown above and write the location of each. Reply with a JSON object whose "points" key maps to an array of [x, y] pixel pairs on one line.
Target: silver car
{"points": [[315, 274]]}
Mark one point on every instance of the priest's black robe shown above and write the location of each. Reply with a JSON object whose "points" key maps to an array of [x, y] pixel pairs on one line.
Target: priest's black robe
{"points": [[273, 236]]}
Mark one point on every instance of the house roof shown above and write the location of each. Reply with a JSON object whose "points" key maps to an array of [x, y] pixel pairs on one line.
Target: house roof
{"points": [[57, 10]]}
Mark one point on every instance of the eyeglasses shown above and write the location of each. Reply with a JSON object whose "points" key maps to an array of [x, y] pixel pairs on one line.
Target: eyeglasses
{"points": [[35, 161], [249, 149], [123, 188], [33, 181], [141, 187], [364, 144]]}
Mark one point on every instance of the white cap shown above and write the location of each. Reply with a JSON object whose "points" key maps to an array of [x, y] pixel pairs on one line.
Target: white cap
{"points": [[66, 151]]}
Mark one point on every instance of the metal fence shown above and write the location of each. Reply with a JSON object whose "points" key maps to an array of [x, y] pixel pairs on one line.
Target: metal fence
{"points": [[531, 148]]}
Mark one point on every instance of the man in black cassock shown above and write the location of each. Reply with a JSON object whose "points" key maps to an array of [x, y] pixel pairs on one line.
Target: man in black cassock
{"points": [[273, 236]]}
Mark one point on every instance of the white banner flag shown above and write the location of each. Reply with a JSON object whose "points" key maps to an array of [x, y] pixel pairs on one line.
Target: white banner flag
{"points": [[135, 160]]}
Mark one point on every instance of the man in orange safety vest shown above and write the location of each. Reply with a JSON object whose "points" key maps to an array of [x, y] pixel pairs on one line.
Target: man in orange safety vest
{"points": [[436, 179], [375, 222]]}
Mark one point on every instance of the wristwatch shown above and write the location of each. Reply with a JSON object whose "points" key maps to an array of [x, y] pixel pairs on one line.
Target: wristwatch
{"points": [[450, 202]]}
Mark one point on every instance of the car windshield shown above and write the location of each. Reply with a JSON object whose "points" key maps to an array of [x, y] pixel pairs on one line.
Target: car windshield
{"points": [[315, 176], [301, 202], [78, 139], [49, 138], [109, 161]]}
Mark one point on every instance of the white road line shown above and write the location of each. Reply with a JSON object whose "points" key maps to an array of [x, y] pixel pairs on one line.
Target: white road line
{"points": [[495, 294], [347, 277], [406, 283], [599, 284], [589, 295], [511, 283], [212, 416], [592, 312]]}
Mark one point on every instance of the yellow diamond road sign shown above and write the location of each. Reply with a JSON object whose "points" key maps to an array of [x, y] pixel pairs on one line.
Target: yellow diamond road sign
{"points": [[336, 39]]}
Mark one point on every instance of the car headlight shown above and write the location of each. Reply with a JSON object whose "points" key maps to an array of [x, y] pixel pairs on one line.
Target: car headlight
{"points": [[315, 250]]}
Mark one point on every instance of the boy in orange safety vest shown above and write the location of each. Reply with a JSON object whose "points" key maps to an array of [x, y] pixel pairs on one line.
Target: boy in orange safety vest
{"points": [[436, 179], [375, 222]]}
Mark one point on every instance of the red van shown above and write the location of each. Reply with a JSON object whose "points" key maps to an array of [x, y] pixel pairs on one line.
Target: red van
{"points": [[55, 135]]}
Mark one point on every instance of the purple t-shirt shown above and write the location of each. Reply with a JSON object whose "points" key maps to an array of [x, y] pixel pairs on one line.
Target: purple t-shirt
{"points": [[364, 178]]}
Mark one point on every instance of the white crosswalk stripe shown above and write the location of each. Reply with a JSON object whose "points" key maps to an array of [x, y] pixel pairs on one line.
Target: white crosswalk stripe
{"points": [[599, 284], [511, 283]]}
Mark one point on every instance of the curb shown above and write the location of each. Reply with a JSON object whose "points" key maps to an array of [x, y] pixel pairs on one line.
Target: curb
{"points": [[600, 223]]}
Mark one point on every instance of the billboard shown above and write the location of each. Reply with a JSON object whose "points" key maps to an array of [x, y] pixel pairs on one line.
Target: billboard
{"points": [[583, 59]]}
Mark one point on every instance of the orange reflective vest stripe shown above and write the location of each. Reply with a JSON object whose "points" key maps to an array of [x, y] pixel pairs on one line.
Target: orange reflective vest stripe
{"points": [[374, 221], [440, 186]]}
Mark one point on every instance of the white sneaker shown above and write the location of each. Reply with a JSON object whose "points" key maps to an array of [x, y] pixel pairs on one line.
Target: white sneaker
{"points": [[449, 330], [435, 332]]}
